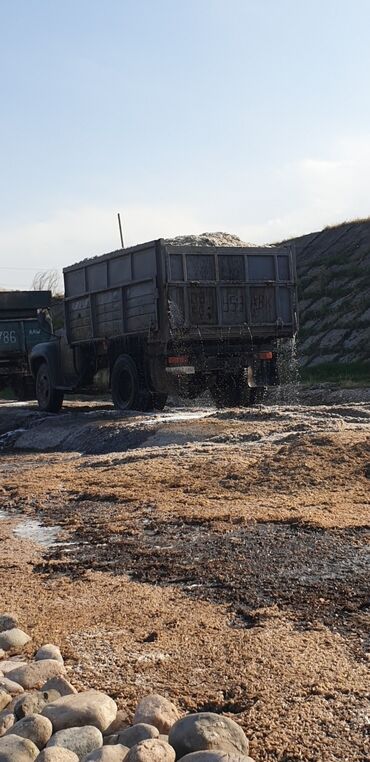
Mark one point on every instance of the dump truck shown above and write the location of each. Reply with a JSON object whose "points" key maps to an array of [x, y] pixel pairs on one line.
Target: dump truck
{"points": [[165, 318], [24, 322]]}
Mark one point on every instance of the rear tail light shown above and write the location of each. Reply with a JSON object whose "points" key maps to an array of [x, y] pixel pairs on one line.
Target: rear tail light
{"points": [[265, 356], [176, 360]]}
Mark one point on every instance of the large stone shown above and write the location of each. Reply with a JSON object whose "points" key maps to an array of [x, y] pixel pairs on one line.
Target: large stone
{"points": [[151, 750], [57, 754], [80, 740], [34, 727], [35, 673], [8, 622], [207, 731], [158, 711], [7, 720], [108, 754], [16, 749], [215, 756], [10, 686], [49, 651], [88, 708], [119, 723], [29, 703], [9, 664], [140, 732], [14, 638], [59, 684], [5, 699]]}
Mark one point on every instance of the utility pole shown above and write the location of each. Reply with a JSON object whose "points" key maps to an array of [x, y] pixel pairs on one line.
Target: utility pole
{"points": [[120, 230]]}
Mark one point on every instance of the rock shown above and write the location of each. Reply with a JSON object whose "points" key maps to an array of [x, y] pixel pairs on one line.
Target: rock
{"points": [[108, 754], [215, 756], [59, 684], [7, 720], [49, 651], [10, 686], [5, 699], [112, 739], [87, 708], [57, 754], [2, 653], [35, 673], [207, 731], [151, 750], [14, 638], [119, 723], [34, 727], [140, 732], [158, 711], [30, 703], [81, 740], [8, 622], [16, 749], [9, 664]]}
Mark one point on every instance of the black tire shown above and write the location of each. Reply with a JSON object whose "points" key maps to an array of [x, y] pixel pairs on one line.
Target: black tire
{"points": [[50, 400], [256, 395], [159, 401], [127, 393], [227, 391]]}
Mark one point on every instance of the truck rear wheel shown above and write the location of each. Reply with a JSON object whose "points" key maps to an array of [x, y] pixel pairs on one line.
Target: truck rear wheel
{"points": [[49, 399], [227, 391], [127, 393], [159, 401]]}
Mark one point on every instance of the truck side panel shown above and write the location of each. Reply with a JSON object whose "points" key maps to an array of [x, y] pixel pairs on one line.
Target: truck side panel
{"points": [[113, 295]]}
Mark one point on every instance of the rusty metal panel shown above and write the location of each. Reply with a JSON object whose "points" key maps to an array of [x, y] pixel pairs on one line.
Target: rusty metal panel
{"points": [[79, 319], [233, 305], [108, 313], [203, 305], [263, 308]]}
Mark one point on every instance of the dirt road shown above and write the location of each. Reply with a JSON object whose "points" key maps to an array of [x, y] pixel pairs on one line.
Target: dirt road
{"points": [[219, 557]]}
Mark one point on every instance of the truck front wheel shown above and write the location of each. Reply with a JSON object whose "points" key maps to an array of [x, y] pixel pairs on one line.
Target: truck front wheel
{"points": [[49, 399]]}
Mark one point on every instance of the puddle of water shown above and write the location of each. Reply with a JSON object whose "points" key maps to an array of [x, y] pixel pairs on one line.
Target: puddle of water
{"points": [[31, 529], [179, 415]]}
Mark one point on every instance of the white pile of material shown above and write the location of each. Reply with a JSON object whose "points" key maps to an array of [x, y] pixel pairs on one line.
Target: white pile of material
{"points": [[207, 239]]}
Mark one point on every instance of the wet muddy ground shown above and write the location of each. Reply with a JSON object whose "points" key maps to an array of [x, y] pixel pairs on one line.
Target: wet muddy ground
{"points": [[221, 557]]}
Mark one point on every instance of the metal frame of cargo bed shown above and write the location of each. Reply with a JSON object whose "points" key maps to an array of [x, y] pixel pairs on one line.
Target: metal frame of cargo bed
{"points": [[162, 282]]}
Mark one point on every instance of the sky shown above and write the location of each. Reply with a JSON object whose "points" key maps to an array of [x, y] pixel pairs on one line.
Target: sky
{"points": [[186, 116]]}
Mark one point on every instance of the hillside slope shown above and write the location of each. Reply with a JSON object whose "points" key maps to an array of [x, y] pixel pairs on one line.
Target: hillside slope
{"points": [[333, 268]]}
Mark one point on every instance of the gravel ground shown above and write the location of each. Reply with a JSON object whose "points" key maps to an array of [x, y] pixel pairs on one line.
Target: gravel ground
{"points": [[218, 557]]}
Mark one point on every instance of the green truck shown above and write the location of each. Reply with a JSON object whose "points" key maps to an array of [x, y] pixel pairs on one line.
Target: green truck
{"points": [[24, 322]]}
